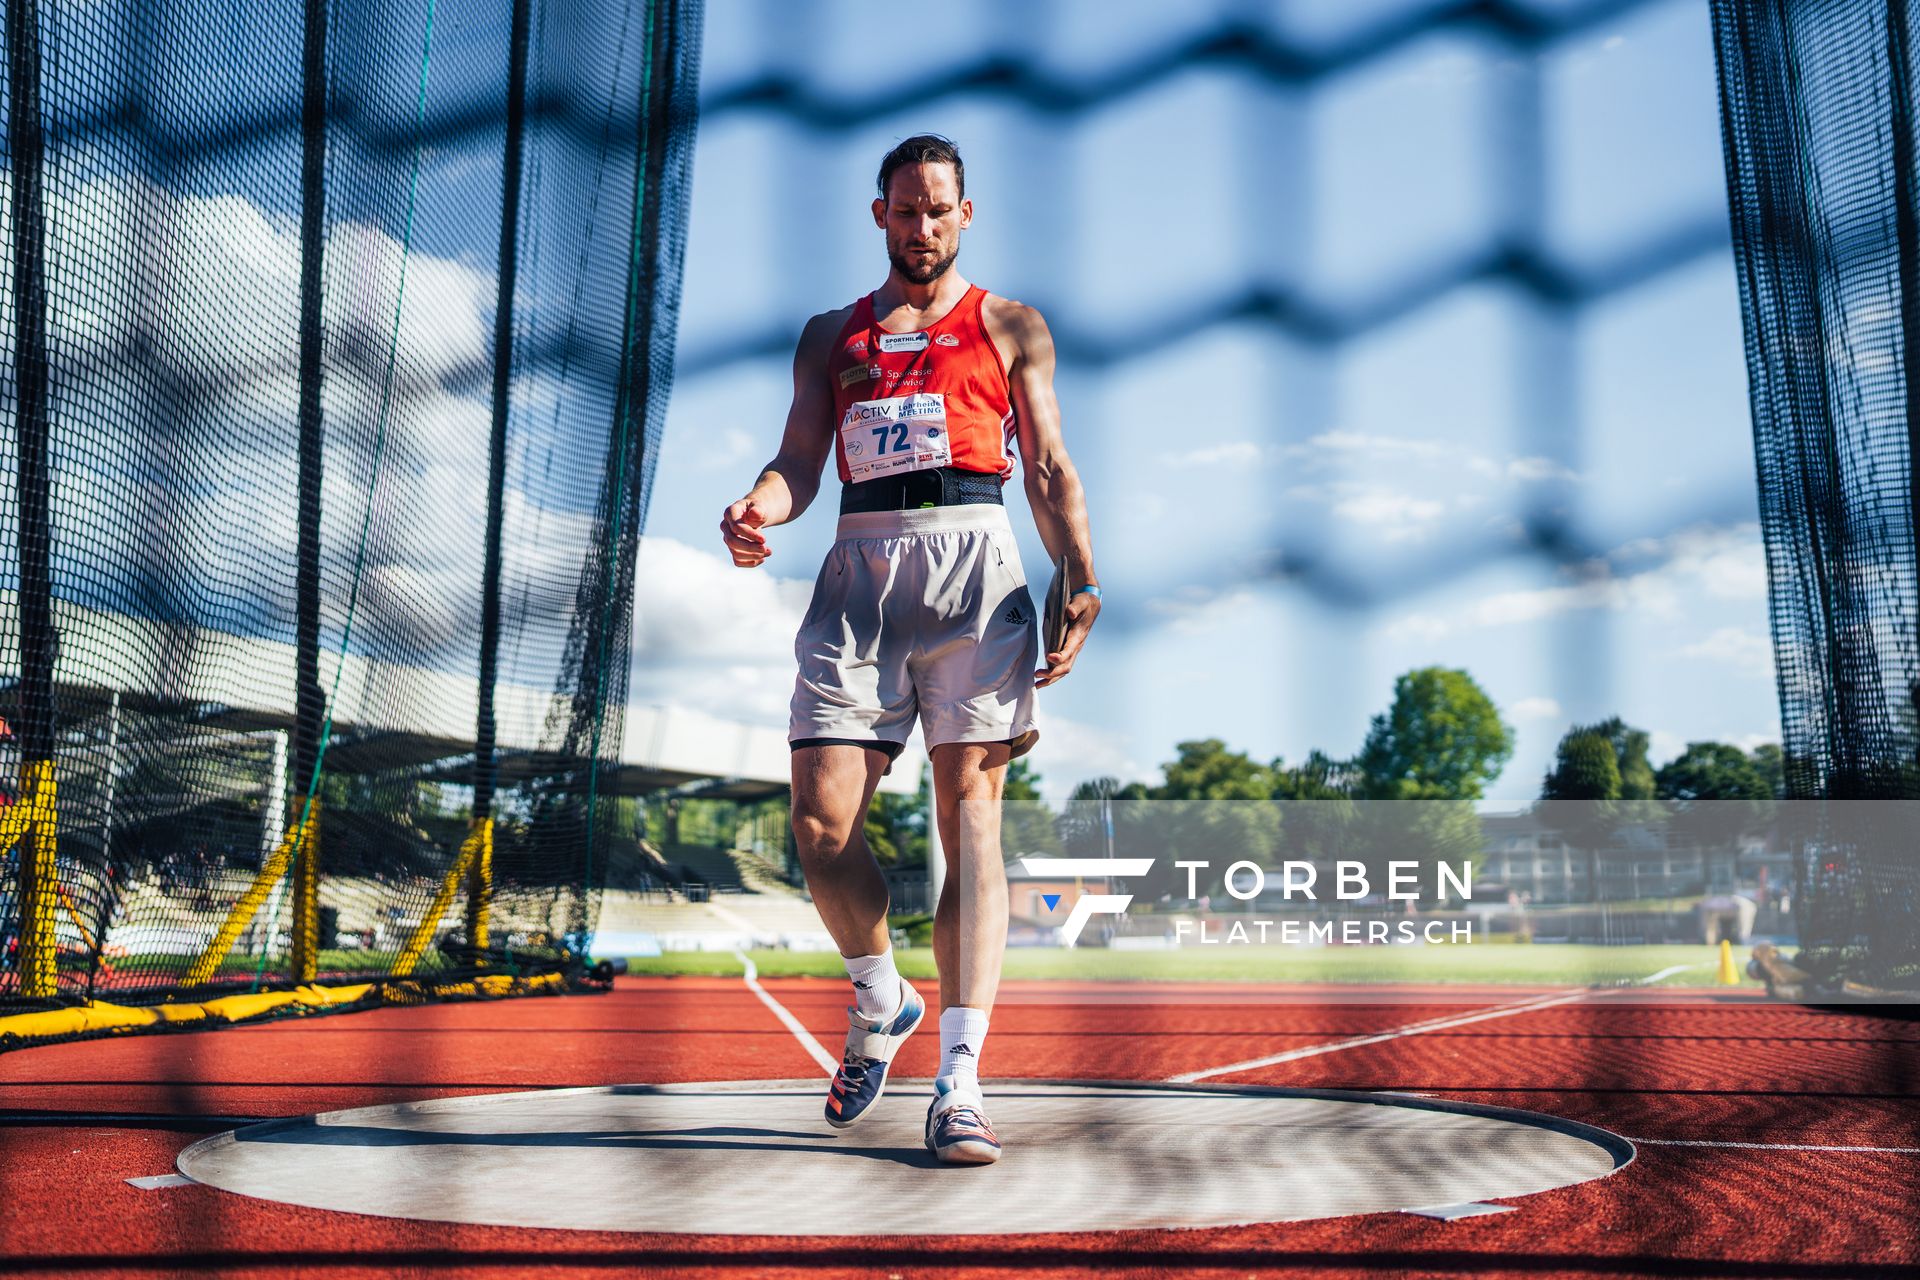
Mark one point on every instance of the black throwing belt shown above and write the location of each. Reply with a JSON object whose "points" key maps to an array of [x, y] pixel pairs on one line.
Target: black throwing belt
{"points": [[910, 490]]}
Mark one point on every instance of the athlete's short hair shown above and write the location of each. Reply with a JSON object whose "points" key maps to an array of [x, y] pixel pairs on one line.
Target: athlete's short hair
{"points": [[924, 148]]}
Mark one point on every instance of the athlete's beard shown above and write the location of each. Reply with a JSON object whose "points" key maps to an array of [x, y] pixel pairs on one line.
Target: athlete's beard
{"points": [[922, 275]]}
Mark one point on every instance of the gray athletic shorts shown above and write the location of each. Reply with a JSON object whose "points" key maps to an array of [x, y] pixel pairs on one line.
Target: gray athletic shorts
{"points": [[919, 613]]}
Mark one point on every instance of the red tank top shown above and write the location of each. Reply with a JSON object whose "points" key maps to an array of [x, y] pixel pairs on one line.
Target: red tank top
{"points": [[927, 398]]}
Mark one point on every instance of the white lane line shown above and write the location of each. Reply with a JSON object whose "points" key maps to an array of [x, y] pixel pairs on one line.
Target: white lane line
{"points": [[1770, 1146], [731, 918], [1669, 972], [1411, 1029], [161, 1181], [1465, 1209], [815, 1050]]}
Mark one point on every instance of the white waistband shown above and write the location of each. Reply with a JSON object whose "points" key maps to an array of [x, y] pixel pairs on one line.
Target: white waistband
{"points": [[897, 524]]}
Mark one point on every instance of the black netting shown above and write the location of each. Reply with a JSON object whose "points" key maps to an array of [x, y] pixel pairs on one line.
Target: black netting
{"points": [[306, 307], [1817, 103]]}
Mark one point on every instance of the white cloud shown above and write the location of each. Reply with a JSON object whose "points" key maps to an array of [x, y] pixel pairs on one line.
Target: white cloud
{"points": [[1727, 563], [1070, 752], [1398, 517], [1193, 610], [1238, 453], [724, 454], [696, 604], [1529, 470], [1664, 746], [1535, 709], [712, 636], [1340, 444], [1735, 646], [1411, 485]]}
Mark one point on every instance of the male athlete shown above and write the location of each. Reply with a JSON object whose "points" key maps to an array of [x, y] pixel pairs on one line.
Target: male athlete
{"points": [[920, 391]]}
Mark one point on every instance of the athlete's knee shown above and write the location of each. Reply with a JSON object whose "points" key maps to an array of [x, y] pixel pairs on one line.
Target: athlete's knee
{"points": [[820, 836], [973, 813]]}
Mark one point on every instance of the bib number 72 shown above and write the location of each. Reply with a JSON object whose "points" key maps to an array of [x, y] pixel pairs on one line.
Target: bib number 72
{"points": [[897, 433]]}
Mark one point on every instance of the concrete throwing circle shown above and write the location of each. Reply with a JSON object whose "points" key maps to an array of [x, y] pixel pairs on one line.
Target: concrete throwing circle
{"points": [[755, 1158]]}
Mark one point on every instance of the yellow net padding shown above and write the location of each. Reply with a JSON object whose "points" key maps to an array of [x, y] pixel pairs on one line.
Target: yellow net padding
{"points": [[476, 852], [102, 1017], [243, 911], [32, 823]]}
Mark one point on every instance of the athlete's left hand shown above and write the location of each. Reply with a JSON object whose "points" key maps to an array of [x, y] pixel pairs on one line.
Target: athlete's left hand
{"points": [[1082, 609]]}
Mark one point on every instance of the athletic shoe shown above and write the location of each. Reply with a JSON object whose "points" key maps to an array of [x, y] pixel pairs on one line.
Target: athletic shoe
{"points": [[862, 1076], [957, 1128]]}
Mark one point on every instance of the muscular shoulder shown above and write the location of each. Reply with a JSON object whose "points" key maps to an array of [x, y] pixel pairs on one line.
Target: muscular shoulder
{"points": [[816, 339], [1015, 326], [1019, 332]]}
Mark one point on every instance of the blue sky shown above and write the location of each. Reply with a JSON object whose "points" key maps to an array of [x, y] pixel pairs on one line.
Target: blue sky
{"points": [[1391, 448]]}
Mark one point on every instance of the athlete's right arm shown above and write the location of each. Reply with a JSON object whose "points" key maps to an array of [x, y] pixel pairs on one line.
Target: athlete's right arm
{"points": [[788, 484]]}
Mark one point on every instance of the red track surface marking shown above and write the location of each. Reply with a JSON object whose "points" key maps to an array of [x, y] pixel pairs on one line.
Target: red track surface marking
{"points": [[1708, 1068]]}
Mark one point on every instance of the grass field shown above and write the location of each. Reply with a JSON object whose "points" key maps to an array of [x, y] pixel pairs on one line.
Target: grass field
{"points": [[1537, 963]]}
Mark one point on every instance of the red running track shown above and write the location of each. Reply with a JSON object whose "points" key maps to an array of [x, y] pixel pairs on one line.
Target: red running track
{"points": [[77, 1120]]}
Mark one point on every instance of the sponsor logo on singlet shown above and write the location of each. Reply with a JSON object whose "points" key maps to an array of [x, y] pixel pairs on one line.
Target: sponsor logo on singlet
{"points": [[858, 347], [858, 373], [903, 341], [946, 339]]}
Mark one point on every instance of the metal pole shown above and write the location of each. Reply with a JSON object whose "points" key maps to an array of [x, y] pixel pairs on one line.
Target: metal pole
{"points": [[110, 887], [113, 764], [38, 642], [936, 852], [273, 827], [273, 814], [1906, 221], [309, 697], [485, 766]]}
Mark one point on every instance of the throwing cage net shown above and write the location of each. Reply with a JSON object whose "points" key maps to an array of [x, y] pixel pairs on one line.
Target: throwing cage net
{"points": [[337, 340], [1818, 111]]}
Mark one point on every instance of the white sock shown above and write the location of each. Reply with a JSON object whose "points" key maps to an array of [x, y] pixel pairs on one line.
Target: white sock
{"points": [[963, 1032], [876, 984]]}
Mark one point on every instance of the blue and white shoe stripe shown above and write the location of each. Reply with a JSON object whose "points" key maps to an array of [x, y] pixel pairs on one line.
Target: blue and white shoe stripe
{"points": [[862, 1076]]}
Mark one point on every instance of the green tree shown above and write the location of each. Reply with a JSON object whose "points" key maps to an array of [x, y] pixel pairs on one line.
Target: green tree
{"points": [[903, 819], [1629, 753], [1318, 777], [1441, 739], [1582, 795], [1083, 827], [1318, 815], [1719, 795], [1027, 824], [880, 840], [1206, 770], [1585, 768], [1772, 766], [1213, 805], [1712, 771]]}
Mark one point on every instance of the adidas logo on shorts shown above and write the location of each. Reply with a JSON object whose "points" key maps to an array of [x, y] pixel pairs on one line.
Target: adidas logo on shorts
{"points": [[1016, 617]]}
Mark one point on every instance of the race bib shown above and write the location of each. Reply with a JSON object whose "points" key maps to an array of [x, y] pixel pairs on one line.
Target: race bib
{"points": [[899, 433]]}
